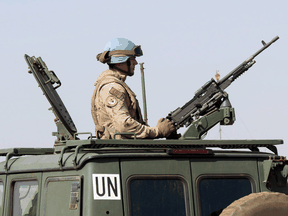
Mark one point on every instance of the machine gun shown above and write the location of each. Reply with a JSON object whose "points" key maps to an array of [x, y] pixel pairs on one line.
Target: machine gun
{"points": [[210, 104]]}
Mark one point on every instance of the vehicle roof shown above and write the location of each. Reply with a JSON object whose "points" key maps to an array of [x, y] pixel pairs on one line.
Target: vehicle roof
{"points": [[51, 159]]}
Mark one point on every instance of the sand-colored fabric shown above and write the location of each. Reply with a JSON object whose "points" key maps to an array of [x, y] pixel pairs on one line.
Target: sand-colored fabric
{"points": [[103, 57], [259, 204], [115, 109]]}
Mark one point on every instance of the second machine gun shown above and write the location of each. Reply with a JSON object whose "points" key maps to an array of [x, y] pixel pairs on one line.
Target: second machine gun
{"points": [[210, 104]]}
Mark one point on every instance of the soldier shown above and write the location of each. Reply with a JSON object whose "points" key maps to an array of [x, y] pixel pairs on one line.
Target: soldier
{"points": [[114, 106]]}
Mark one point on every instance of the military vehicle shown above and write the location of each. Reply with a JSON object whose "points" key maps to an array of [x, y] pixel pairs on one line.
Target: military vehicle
{"points": [[141, 177]]}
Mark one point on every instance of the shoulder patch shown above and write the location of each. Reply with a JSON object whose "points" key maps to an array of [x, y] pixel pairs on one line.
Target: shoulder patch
{"points": [[111, 101], [116, 93]]}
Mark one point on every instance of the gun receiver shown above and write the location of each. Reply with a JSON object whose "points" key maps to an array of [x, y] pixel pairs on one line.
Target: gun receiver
{"points": [[211, 95]]}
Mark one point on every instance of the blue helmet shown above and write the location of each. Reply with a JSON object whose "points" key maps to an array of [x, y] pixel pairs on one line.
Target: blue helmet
{"points": [[119, 50]]}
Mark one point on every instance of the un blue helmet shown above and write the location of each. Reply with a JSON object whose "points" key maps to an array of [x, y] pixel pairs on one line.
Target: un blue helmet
{"points": [[119, 50]]}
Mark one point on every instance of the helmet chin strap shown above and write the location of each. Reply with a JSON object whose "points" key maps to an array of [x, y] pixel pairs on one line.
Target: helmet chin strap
{"points": [[124, 71]]}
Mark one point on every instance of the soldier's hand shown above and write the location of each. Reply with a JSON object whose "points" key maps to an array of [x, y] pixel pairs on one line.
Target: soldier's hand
{"points": [[174, 135], [165, 127]]}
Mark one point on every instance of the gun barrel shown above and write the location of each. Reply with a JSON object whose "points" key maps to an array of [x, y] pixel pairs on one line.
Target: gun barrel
{"points": [[265, 46], [275, 39], [244, 66]]}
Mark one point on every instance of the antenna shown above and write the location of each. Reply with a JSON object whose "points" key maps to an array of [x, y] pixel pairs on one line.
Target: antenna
{"points": [[143, 93]]}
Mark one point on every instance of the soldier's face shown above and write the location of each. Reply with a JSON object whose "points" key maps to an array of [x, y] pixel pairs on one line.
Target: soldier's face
{"points": [[133, 64], [124, 66]]}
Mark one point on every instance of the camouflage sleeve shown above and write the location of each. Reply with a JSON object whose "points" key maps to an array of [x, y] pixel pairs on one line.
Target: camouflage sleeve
{"points": [[116, 102]]}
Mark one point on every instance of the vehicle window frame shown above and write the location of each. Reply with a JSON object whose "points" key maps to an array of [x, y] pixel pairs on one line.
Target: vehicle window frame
{"points": [[158, 177], [12, 185], [3, 196], [220, 176]]}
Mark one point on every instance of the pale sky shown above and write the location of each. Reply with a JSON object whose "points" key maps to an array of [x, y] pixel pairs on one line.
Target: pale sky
{"points": [[184, 43]]}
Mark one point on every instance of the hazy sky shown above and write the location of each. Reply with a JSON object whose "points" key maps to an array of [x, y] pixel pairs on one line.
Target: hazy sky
{"points": [[184, 43]]}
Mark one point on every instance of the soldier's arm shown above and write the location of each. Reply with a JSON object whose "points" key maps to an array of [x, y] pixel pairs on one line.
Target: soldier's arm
{"points": [[115, 99]]}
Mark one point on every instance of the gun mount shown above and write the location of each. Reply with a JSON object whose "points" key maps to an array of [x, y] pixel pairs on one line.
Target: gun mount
{"points": [[225, 115]]}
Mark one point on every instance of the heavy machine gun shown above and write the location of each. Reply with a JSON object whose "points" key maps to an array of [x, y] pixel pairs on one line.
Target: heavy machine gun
{"points": [[210, 103]]}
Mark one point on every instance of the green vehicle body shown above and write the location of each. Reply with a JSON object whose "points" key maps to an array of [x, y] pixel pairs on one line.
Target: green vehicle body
{"points": [[201, 178], [87, 177]]}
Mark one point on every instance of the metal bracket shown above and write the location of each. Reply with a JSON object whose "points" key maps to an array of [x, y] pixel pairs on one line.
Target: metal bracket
{"points": [[83, 133], [273, 149], [63, 150], [51, 75], [74, 161], [60, 160]]}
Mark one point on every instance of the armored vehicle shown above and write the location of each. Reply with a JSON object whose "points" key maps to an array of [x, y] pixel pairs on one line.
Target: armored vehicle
{"points": [[141, 177]]}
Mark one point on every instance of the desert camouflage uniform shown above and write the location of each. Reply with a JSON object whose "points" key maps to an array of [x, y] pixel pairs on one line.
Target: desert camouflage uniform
{"points": [[115, 109]]}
